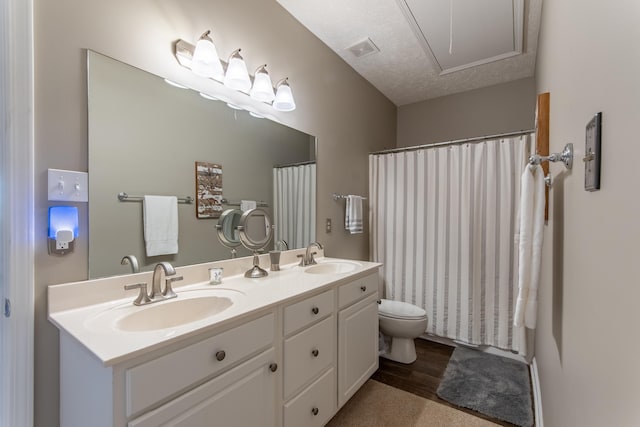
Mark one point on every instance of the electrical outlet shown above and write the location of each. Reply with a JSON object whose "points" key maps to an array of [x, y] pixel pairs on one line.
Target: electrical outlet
{"points": [[328, 225]]}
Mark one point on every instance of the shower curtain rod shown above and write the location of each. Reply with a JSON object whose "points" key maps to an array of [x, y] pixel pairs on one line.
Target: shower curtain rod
{"points": [[310, 162], [454, 142]]}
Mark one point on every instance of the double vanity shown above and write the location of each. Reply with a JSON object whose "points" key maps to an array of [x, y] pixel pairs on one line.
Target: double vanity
{"points": [[288, 349]]}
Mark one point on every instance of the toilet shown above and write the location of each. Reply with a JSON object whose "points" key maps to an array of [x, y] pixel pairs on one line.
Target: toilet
{"points": [[402, 323]]}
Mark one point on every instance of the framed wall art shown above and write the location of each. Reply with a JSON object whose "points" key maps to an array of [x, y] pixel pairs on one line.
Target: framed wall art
{"points": [[208, 190]]}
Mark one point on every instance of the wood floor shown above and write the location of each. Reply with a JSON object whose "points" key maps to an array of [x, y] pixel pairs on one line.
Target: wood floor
{"points": [[423, 376]]}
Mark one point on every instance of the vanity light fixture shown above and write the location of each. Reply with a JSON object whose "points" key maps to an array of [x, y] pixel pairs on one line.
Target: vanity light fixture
{"points": [[205, 61], [284, 97], [237, 76], [262, 89], [63, 229]]}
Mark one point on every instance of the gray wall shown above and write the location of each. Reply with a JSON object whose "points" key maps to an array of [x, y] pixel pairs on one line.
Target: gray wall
{"points": [[588, 318], [349, 117], [487, 111], [144, 138]]}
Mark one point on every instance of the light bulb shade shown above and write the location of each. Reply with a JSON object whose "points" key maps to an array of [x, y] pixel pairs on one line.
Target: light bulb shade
{"points": [[206, 62], [237, 76], [209, 97], [63, 223], [284, 98], [262, 89]]}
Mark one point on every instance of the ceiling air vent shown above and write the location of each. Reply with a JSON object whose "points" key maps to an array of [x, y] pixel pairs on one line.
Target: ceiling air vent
{"points": [[363, 48]]}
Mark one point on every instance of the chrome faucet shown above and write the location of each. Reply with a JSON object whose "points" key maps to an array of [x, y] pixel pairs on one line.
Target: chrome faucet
{"points": [[131, 260], [156, 290], [307, 258], [157, 293]]}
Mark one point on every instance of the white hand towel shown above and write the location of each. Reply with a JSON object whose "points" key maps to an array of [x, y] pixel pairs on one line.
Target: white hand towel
{"points": [[246, 205], [160, 215], [532, 203], [353, 214]]}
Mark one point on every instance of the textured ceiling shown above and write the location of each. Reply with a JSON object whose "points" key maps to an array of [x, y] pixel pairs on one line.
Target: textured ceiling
{"points": [[402, 69]]}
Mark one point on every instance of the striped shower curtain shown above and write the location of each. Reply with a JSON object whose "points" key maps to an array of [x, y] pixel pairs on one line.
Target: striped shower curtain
{"points": [[444, 224], [294, 194]]}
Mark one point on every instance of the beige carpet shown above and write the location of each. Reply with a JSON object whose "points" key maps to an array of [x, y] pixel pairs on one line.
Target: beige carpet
{"points": [[380, 405]]}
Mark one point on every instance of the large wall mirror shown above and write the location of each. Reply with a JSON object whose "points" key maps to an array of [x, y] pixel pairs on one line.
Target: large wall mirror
{"points": [[145, 137]]}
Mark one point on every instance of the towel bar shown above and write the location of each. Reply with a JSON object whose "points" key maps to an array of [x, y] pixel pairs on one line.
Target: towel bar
{"points": [[566, 157], [341, 196], [124, 197]]}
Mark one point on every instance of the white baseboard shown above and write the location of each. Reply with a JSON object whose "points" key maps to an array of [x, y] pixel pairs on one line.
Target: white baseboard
{"points": [[537, 394]]}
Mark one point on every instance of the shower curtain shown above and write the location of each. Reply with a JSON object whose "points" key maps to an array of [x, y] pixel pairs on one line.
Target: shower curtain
{"points": [[294, 193], [444, 224]]}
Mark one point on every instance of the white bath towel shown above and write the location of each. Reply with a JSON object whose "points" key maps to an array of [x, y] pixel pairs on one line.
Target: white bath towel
{"points": [[532, 202], [246, 205], [160, 215], [353, 214]]}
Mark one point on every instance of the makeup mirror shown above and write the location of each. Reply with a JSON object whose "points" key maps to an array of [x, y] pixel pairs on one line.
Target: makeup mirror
{"points": [[255, 231], [227, 228]]}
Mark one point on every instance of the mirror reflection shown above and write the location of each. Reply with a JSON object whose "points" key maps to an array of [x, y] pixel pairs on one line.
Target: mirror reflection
{"points": [[145, 138], [228, 229]]}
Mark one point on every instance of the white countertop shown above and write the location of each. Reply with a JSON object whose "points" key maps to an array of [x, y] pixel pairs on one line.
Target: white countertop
{"points": [[87, 310]]}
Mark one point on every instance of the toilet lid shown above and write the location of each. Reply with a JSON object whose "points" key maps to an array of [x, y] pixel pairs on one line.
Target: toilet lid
{"points": [[400, 310]]}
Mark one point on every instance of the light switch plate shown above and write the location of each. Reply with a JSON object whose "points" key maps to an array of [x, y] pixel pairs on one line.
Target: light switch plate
{"points": [[68, 186], [592, 151]]}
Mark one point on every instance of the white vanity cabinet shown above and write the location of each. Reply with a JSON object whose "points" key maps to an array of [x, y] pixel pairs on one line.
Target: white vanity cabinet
{"points": [[357, 335], [292, 358]]}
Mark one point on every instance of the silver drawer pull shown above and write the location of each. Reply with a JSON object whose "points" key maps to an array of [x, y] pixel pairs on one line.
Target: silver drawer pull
{"points": [[315, 411], [273, 367], [363, 288], [315, 310], [315, 352], [220, 355]]}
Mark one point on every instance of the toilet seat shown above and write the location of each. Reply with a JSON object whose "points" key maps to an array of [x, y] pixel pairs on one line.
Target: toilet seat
{"points": [[400, 310]]}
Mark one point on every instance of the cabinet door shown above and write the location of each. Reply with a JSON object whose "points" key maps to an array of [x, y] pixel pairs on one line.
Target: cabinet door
{"points": [[244, 396], [357, 346]]}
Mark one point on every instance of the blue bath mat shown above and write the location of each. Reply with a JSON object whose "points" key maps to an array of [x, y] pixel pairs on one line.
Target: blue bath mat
{"points": [[490, 384]]}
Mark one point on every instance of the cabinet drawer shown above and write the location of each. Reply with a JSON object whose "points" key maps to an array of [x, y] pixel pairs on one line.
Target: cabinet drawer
{"points": [[308, 353], [356, 290], [159, 379], [315, 405], [303, 313], [243, 396]]}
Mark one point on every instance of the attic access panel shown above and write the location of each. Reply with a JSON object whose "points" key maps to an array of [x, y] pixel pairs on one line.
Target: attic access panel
{"points": [[477, 32]]}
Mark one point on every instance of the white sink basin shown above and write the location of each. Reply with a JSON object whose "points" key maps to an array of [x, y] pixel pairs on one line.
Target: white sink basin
{"points": [[332, 267], [188, 307], [172, 313]]}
